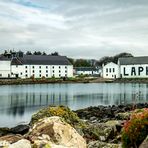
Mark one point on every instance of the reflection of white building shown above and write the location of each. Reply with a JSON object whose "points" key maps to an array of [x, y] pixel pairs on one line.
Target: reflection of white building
{"points": [[110, 70], [26, 66], [129, 67]]}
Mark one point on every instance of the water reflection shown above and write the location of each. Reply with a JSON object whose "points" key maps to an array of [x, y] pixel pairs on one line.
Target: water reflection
{"points": [[18, 103]]}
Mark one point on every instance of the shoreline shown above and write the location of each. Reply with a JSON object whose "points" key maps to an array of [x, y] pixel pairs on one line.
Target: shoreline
{"points": [[97, 126], [71, 80]]}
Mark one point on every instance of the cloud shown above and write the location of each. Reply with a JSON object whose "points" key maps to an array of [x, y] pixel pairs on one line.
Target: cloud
{"points": [[80, 28]]}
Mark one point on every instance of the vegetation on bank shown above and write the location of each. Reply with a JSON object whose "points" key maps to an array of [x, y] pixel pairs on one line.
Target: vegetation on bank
{"points": [[135, 130]]}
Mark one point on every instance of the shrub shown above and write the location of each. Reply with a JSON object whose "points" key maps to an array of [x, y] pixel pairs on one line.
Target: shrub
{"points": [[135, 130]]}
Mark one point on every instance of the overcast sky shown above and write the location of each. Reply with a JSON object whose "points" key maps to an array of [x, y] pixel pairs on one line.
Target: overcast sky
{"points": [[76, 28]]}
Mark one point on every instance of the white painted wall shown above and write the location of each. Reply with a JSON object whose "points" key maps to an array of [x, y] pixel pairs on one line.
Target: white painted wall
{"points": [[111, 70], [5, 69], [39, 71], [134, 71], [87, 72]]}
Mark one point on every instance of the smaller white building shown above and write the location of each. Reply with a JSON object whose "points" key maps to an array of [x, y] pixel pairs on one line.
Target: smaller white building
{"points": [[110, 70], [87, 71]]}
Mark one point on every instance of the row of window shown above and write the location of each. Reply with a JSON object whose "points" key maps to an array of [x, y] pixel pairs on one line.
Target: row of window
{"points": [[46, 71], [46, 67], [110, 69], [48, 75]]}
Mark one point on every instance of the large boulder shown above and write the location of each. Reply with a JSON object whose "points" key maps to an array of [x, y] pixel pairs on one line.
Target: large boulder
{"points": [[55, 131], [21, 144], [69, 116]]}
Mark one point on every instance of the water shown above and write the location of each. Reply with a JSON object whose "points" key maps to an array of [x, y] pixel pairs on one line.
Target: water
{"points": [[19, 102]]}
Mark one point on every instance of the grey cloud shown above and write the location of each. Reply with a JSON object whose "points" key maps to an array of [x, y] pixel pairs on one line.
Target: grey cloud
{"points": [[79, 28]]}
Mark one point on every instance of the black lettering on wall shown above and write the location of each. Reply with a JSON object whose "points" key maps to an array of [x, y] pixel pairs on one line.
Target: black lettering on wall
{"points": [[124, 71], [133, 71], [146, 70], [140, 69]]}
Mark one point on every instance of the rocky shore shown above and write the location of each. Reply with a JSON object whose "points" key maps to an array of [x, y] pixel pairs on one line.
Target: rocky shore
{"points": [[59, 127]]}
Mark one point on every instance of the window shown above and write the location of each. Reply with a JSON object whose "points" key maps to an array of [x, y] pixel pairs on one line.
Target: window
{"points": [[106, 74], [59, 75], [40, 75], [65, 75], [59, 71], [32, 71], [113, 69], [53, 71], [39, 66], [39, 71], [53, 67], [59, 66], [46, 75], [106, 69], [46, 67], [65, 71], [26, 75], [65, 67], [110, 70], [16, 65], [0, 75], [26, 71], [25, 66], [46, 71], [21, 73], [33, 67]]}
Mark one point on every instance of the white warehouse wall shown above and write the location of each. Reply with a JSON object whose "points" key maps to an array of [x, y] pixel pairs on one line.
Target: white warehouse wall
{"points": [[48, 71], [5, 69], [134, 71]]}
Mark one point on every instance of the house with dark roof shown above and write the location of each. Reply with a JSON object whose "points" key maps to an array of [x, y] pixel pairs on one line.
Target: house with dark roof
{"points": [[38, 66], [87, 71], [133, 67]]}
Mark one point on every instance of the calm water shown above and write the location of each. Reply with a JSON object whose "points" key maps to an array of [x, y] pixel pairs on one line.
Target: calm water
{"points": [[19, 102]]}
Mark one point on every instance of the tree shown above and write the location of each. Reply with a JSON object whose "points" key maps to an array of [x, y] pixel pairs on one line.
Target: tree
{"points": [[28, 53], [81, 63], [107, 59], [55, 54], [37, 53]]}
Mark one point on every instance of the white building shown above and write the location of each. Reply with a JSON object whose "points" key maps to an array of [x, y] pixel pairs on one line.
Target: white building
{"points": [[133, 67], [87, 71], [37, 66], [5, 67], [111, 71]]}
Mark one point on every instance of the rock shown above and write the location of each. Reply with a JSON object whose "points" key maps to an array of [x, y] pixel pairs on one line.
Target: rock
{"points": [[144, 143], [21, 144], [99, 144], [123, 116], [69, 116], [4, 144], [4, 131], [116, 124], [20, 129], [11, 138], [99, 131], [57, 131]]}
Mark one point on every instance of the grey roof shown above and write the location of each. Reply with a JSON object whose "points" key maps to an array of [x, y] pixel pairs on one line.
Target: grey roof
{"points": [[3, 58], [86, 69], [133, 60], [41, 60]]}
